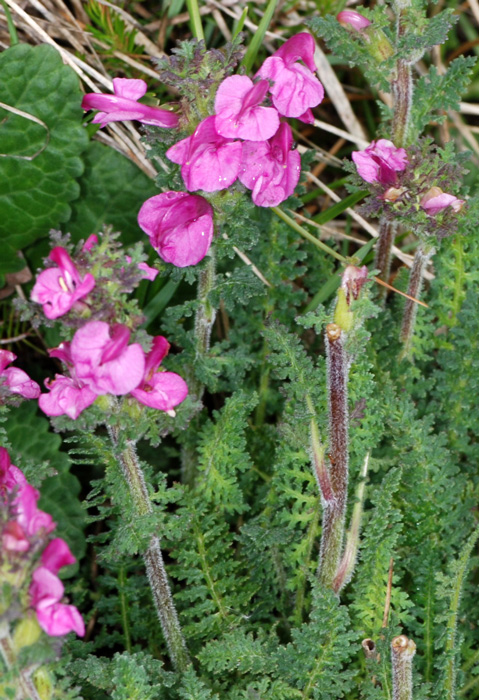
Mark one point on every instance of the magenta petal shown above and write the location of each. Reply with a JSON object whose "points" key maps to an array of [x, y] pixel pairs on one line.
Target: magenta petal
{"points": [[307, 117], [179, 152], [187, 243], [105, 364], [66, 397], [164, 391], [380, 162], [114, 109], [56, 555], [299, 47], [295, 90], [238, 114], [46, 588], [180, 226], [59, 619], [351, 18], [19, 382], [130, 88], [6, 357], [158, 352], [214, 169]]}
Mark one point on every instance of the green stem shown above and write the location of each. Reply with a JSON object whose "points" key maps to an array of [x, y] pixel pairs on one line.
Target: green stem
{"points": [[124, 607], [155, 567], [450, 671], [402, 653], [306, 234], [387, 234], [204, 320], [195, 17], [11, 26], [421, 258]]}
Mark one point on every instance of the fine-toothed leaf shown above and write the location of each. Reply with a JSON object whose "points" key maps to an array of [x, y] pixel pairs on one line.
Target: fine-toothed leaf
{"points": [[33, 446], [40, 146], [112, 192]]}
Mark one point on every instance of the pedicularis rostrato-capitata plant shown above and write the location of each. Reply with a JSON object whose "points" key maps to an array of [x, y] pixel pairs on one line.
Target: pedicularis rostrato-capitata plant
{"points": [[277, 453]]}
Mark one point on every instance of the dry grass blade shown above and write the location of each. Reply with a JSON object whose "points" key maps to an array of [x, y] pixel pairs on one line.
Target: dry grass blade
{"points": [[337, 95]]}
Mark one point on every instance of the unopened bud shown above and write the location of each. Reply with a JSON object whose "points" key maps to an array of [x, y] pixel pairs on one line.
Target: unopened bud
{"points": [[43, 684], [352, 20], [343, 316], [435, 200], [353, 280], [333, 331], [26, 633], [393, 193]]}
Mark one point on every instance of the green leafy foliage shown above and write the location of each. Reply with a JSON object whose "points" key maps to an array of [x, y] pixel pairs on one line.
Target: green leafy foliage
{"points": [[112, 189], [41, 147]]}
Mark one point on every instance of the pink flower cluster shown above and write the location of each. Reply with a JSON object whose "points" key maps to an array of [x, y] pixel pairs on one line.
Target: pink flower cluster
{"points": [[381, 162], [26, 528], [101, 361], [243, 140], [16, 380]]}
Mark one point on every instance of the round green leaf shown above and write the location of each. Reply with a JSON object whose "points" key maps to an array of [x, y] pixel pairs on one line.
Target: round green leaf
{"points": [[40, 145]]}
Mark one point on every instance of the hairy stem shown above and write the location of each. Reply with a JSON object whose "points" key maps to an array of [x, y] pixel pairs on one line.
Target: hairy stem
{"points": [[387, 234], [402, 89], [348, 561], [155, 567], [335, 508], [204, 320], [402, 653], [421, 259]]}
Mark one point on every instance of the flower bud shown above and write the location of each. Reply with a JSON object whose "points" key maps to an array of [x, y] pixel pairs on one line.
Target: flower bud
{"points": [[435, 200], [352, 20], [26, 633], [43, 684]]}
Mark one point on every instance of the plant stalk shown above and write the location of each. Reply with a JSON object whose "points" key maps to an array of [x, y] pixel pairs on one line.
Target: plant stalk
{"points": [[387, 234], [348, 561], [402, 653], [155, 566], [335, 508], [421, 258]]}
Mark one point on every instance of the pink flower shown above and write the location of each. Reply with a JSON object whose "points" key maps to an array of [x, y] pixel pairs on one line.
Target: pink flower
{"points": [[59, 288], [435, 200], [56, 555], [238, 111], [67, 395], [16, 379], [352, 19], [161, 390], [380, 162], [295, 87], [208, 161], [104, 361], [55, 618], [123, 105], [90, 242], [10, 475], [29, 517], [270, 168], [14, 539], [149, 273], [180, 226]]}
